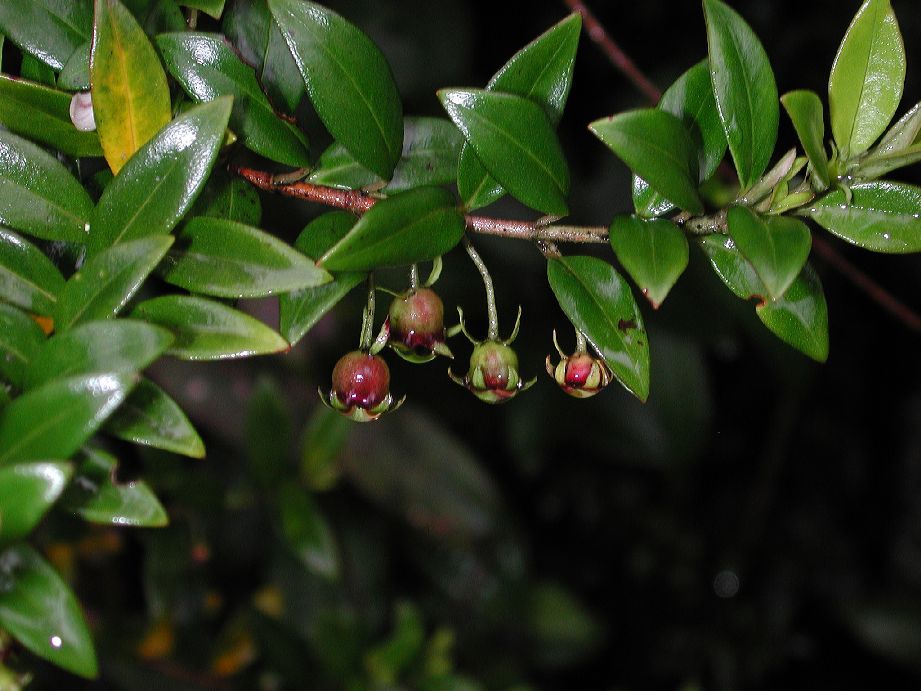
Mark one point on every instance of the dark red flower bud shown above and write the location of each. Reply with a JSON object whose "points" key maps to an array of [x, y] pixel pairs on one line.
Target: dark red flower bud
{"points": [[361, 387], [493, 376], [416, 323], [580, 374]]}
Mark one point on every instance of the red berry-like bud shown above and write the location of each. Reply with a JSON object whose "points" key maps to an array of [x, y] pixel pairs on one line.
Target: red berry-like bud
{"points": [[493, 375], [361, 387], [580, 374], [416, 323]]}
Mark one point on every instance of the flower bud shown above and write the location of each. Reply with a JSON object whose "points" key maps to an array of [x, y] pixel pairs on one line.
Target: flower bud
{"points": [[580, 375], [416, 326], [493, 375], [361, 387], [81, 111]]}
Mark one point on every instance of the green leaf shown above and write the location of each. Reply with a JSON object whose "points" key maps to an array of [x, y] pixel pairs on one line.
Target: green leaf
{"points": [[157, 16], [881, 216], [744, 88], [599, 303], [151, 418], [516, 143], [131, 99], [227, 259], [541, 72], [808, 118], [33, 70], [28, 279], [207, 68], [39, 610], [104, 285], [229, 197], [50, 30], [654, 253], [338, 168], [874, 166], [413, 226], [776, 246], [307, 532], [867, 77], [902, 135], [323, 441], [430, 150], [253, 31], [38, 195], [300, 310], [27, 491], [116, 346], [349, 82], [656, 146], [213, 8], [20, 339], [208, 330], [161, 181], [97, 497], [43, 115], [268, 434], [75, 76], [54, 420]]}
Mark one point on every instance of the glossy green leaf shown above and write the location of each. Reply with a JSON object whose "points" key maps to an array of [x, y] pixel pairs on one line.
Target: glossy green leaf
{"points": [[104, 285], [229, 197], [744, 88], [799, 318], [27, 491], [515, 141], [20, 339], [874, 166], [213, 8], [657, 147], [131, 100], [414, 226], [38, 195], [881, 216], [808, 118], [299, 311], [430, 150], [28, 279], [867, 77], [207, 68], [75, 75], [541, 72], [338, 168], [227, 259], [599, 303], [161, 181], [39, 610], [50, 30], [251, 28], [97, 497], [43, 115], [349, 82], [208, 330], [307, 532], [903, 134], [33, 70], [776, 246], [54, 420], [115, 346], [654, 253], [151, 418]]}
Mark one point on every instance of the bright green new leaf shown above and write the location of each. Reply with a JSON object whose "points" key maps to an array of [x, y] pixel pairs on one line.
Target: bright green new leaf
{"points": [[39, 610], [654, 253], [151, 418], [599, 303], [131, 99], [104, 285], [27, 491], [656, 146], [208, 330], [349, 82], [307, 532], [776, 246], [213, 8], [226, 259], [20, 339], [413, 226], [54, 420], [49, 30], [744, 88], [541, 72], [28, 279], [229, 197], [874, 166], [881, 216], [299, 311], [867, 77], [38, 195], [116, 346], [902, 135], [96, 495], [808, 118], [515, 141], [207, 68], [161, 181], [43, 115]]}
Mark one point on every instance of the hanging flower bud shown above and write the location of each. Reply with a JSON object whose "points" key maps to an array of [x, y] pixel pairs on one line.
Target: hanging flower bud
{"points": [[493, 376], [580, 374], [416, 326], [81, 111], [361, 387]]}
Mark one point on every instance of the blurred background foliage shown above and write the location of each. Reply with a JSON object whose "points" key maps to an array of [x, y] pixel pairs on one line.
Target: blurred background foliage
{"points": [[755, 525]]}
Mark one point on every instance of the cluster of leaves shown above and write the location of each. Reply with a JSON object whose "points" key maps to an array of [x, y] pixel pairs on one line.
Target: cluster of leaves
{"points": [[126, 243]]}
